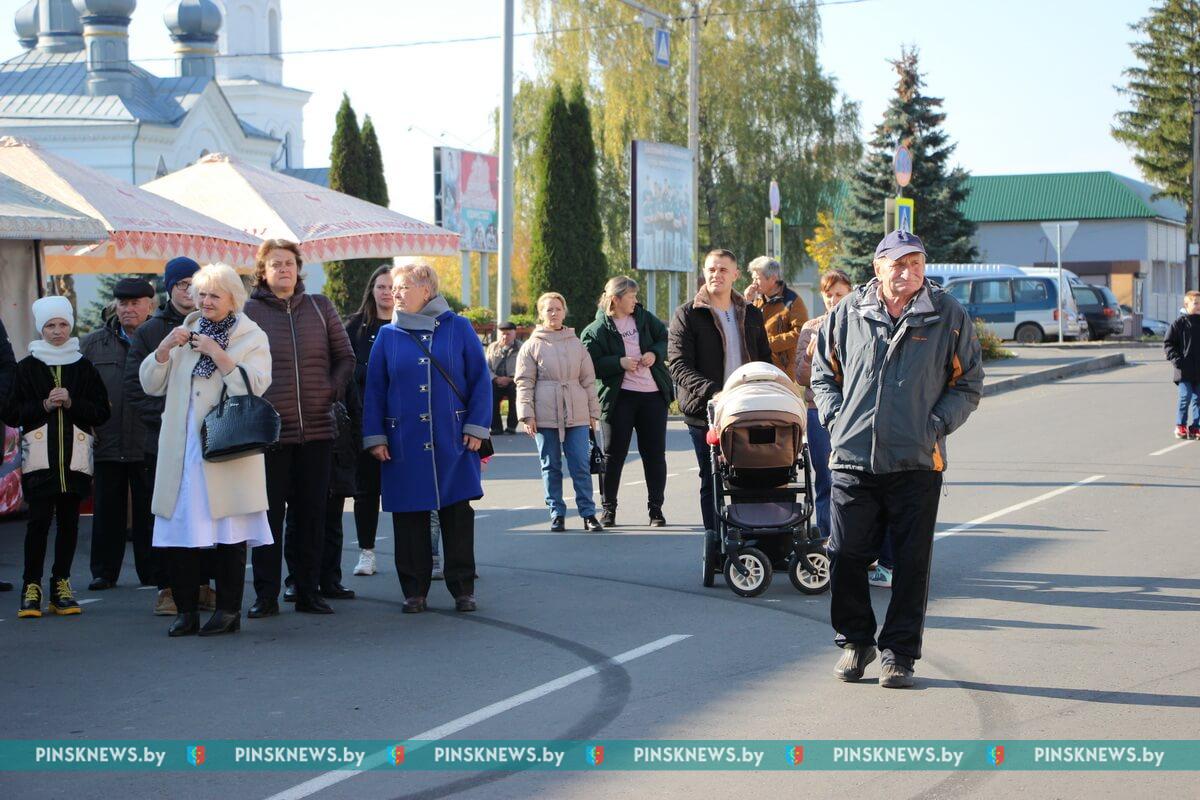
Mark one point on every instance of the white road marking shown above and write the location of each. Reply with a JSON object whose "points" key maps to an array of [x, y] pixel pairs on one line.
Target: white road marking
{"points": [[1169, 449], [89, 600], [693, 469], [635, 483], [146, 588], [335, 777], [674, 474], [606, 533], [482, 516], [995, 514]]}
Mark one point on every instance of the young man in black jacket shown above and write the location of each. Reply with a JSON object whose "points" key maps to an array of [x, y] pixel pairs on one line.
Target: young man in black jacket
{"points": [[177, 281], [1182, 345], [710, 336]]}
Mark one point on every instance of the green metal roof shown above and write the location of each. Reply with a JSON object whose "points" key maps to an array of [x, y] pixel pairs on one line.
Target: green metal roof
{"points": [[1065, 195]]}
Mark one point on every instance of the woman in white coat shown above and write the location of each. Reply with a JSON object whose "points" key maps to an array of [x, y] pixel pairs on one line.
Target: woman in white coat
{"points": [[206, 512]]}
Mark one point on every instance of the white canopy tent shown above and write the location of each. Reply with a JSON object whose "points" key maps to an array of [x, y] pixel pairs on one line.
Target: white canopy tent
{"points": [[29, 219], [328, 225]]}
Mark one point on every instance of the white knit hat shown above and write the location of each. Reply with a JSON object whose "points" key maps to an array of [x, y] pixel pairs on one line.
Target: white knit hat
{"points": [[53, 307]]}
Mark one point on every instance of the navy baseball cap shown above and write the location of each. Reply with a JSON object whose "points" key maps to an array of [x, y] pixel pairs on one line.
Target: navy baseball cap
{"points": [[899, 243]]}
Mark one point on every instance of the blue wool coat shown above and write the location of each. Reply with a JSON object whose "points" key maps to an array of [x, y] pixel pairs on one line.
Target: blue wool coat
{"points": [[409, 407]]}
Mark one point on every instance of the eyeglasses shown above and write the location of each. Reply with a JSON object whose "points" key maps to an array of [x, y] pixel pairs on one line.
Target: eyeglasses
{"points": [[185, 285]]}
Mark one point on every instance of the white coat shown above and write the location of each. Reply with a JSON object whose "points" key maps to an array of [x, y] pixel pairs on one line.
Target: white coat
{"points": [[235, 487]]}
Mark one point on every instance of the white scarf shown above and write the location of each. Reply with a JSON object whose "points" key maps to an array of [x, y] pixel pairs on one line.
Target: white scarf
{"points": [[51, 356]]}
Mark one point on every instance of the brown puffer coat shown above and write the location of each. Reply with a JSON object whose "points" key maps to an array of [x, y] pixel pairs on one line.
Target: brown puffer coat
{"points": [[303, 329]]}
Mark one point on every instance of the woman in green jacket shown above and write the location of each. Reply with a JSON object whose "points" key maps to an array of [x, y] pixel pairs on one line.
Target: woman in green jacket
{"points": [[628, 346]]}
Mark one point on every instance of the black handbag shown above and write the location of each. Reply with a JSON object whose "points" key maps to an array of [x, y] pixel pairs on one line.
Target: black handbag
{"points": [[241, 425], [486, 450], [598, 460]]}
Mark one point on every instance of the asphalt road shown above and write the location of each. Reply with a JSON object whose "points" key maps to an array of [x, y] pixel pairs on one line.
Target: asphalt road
{"points": [[1064, 600]]}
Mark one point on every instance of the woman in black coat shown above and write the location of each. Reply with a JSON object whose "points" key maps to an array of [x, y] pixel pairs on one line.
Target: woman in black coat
{"points": [[58, 400], [362, 327]]}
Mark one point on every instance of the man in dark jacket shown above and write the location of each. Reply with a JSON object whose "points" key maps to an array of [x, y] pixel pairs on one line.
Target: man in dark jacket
{"points": [[8, 373], [502, 364], [177, 282], [119, 451], [710, 337], [1182, 345], [897, 368]]}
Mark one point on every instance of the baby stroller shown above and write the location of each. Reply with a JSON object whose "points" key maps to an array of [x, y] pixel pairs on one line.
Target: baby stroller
{"points": [[762, 486]]}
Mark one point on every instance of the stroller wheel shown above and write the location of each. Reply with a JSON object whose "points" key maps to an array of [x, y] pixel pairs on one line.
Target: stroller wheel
{"points": [[805, 581], [759, 577], [712, 558]]}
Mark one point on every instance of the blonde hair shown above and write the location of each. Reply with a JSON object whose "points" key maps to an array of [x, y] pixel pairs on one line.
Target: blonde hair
{"points": [[545, 299], [418, 271], [264, 249], [614, 290], [224, 279]]}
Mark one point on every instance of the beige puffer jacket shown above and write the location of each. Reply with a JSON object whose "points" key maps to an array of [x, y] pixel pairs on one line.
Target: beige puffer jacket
{"points": [[556, 382]]}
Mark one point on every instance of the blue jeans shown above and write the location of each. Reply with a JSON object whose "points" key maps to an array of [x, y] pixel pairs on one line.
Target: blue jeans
{"points": [[703, 460], [577, 446], [1189, 400], [818, 452]]}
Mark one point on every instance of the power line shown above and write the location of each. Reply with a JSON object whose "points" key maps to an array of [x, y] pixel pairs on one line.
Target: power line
{"points": [[491, 37]]}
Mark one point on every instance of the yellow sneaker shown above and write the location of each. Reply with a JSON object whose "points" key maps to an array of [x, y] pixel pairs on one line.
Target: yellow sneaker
{"points": [[62, 599], [31, 601]]}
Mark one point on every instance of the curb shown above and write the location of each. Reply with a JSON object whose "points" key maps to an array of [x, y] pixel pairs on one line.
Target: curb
{"points": [[1096, 364]]}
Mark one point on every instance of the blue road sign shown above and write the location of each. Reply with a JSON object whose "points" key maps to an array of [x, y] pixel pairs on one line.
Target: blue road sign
{"points": [[662, 47]]}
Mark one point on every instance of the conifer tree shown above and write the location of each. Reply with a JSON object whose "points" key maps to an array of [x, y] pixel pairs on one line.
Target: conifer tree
{"points": [[915, 120], [347, 174]]}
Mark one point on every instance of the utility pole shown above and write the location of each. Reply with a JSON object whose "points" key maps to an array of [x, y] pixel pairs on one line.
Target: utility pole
{"points": [[694, 129], [1193, 270], [504, 262]]}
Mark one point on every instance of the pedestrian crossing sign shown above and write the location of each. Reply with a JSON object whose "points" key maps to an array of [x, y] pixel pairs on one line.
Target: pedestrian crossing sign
{"points": [[904, 214], [662, 47]]}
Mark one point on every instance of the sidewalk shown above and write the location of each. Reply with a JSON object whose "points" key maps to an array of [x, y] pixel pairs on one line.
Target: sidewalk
{"points": [[1043, 363]]}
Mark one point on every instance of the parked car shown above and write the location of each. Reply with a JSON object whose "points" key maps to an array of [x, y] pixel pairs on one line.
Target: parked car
{"points": [[1020, 307], [1150, 327], [1100, 308]]}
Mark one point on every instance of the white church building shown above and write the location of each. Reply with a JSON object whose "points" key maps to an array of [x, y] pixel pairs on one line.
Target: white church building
{"points": [[74, 91]]}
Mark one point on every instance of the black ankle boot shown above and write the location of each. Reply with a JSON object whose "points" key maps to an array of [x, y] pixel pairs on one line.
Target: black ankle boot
{"points": [[222, 622], [608, 517], [186, 624], [656, 517]]}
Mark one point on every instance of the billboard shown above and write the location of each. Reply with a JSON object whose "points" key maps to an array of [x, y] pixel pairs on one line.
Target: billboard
{"points": [[661, 205], [466, 189]]}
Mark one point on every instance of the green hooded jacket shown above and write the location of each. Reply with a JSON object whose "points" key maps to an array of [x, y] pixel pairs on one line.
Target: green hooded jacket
{"points": [[607, 348]]}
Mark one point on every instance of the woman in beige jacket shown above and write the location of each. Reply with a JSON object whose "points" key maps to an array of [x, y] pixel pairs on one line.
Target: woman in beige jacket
{"points": [[557, 404], [207, 512]]}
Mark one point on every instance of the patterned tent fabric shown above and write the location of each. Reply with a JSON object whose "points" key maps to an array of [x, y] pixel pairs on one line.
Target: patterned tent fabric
{"points": [[140, 225], [26, 213], [328, 224]]}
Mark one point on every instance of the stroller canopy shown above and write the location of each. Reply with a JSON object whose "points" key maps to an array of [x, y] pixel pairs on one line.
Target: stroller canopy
{"points": [[759, 417]]}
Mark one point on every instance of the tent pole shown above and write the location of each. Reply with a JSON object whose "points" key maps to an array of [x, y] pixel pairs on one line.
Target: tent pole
{"points": [[37, 266]]}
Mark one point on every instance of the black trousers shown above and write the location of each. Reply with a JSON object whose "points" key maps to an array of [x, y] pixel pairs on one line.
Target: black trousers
{"points": [[414, 550], [366, 501], [189, 567], [499, 393], [707, 512], [646, 413], [37, 533], [297, 475], [122, 489], [156, 558], [331, 543], [863, 506]]}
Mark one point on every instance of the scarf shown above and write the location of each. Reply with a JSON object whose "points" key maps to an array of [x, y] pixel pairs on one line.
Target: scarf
{"points": [[219, 333], [51, 356]]}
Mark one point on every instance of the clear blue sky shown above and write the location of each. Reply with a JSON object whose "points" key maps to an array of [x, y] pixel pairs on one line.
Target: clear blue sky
{"points": [[1028, 84]]}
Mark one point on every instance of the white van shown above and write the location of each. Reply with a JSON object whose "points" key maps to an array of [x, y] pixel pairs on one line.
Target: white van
{"points": [[942, 273], [1020, 307]]}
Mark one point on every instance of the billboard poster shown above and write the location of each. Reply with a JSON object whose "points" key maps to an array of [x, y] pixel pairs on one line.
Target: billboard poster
{"points": [[467, 196], [661, 205]]}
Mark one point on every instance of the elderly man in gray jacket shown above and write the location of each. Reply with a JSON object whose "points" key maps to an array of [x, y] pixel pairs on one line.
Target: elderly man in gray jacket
{"points": [[897, 368]]}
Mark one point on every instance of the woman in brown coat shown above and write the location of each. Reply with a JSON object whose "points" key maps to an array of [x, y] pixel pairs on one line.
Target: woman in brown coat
{"points": [[557, 404], [311, 360]]}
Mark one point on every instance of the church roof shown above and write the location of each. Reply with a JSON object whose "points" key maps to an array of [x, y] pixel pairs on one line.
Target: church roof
{"points": [[53, 86]]}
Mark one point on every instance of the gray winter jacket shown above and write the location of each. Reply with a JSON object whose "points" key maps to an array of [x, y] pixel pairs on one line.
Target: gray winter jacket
{"points": [[889, 395]]}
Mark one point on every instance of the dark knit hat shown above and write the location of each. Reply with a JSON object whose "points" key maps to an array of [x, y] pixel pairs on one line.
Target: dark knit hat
{"points": [[176, 270]]}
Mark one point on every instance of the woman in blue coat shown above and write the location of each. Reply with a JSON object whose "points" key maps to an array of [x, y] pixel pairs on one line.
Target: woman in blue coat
{"points": [[427, 433]]}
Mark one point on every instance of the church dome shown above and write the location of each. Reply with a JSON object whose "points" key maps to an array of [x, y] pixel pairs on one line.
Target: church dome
{"points": [[199, 19], [105, 8], [26, 24]]}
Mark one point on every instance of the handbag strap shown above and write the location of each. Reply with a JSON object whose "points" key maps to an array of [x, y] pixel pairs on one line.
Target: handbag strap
{"points": [[225, 390], [445, 375]]}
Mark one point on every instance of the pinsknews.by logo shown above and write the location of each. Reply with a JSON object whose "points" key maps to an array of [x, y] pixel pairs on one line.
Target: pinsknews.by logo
{"points": [[595, 755], [397, 754], [996, 755], [795, 755], [195, 755]]}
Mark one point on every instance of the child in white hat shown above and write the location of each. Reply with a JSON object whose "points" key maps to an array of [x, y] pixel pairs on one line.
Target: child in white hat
{"points": [[58, 399]]}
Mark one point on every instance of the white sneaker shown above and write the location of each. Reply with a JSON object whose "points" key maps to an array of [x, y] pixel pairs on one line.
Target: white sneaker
{"points": [[366, 563], [881, 576], [437, 568]]}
